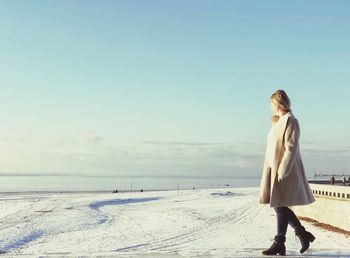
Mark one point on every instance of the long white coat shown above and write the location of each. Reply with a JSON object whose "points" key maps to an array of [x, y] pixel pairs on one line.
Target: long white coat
{"points": [[284, 183]]}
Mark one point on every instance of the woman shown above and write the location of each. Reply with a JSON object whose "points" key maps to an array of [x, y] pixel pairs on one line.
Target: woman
{"points": [[283, 181]]}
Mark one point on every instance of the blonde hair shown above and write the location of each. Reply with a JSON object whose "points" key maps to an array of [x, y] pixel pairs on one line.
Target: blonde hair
{"points": [[275, 119], [281, 100]]}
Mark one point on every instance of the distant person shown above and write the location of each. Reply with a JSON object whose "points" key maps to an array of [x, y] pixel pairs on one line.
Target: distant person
{"points": [[283, 173], [349, 180], [332, 180], [344, 180]]}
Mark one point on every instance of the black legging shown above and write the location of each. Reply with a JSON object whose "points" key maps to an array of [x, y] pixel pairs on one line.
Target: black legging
{"points": [[286, 216]]}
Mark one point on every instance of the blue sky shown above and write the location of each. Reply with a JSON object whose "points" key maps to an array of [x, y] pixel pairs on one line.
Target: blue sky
{"points": [[169, 87]]}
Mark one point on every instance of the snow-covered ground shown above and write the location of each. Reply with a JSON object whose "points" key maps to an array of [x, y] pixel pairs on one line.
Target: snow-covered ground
{"points": [[199, 223]]}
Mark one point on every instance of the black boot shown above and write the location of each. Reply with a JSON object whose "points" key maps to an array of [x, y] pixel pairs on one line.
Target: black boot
{"points": [[277, 247], [305, 238]]}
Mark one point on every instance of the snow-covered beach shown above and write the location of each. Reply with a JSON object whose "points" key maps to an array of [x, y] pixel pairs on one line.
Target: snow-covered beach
{"points": [[187, 223]]}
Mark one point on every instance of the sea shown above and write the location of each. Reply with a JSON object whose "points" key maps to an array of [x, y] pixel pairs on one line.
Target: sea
{"points": [[78, 183]]}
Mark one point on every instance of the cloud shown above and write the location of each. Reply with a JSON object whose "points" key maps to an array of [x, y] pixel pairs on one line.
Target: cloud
{"points": [[327, 152], [307, 142], [89, 153], [89, 137], [16, 139], [183, 143], [326, 159], [127, 161]]}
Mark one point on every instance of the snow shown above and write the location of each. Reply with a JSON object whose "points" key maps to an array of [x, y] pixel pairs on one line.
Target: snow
{"points": [[190, 223]]}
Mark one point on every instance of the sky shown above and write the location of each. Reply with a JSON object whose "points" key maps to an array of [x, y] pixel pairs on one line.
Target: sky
{"points": [[169, 88]]}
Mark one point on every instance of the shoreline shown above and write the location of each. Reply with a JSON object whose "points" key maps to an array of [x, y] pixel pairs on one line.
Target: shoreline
{"points": [[122, 191]]}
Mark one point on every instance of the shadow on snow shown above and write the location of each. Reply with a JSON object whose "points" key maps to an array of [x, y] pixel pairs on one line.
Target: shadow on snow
{"points": [[22, 242], [100, 204]]}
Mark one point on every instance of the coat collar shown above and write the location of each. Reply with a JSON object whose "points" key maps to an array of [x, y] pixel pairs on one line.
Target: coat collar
{"points": [[286, 116], [283, 123]]}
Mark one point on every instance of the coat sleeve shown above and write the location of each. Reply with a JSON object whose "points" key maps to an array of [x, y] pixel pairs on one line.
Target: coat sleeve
{"points": [[291, 142], [266, 164], [265, 182]]}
